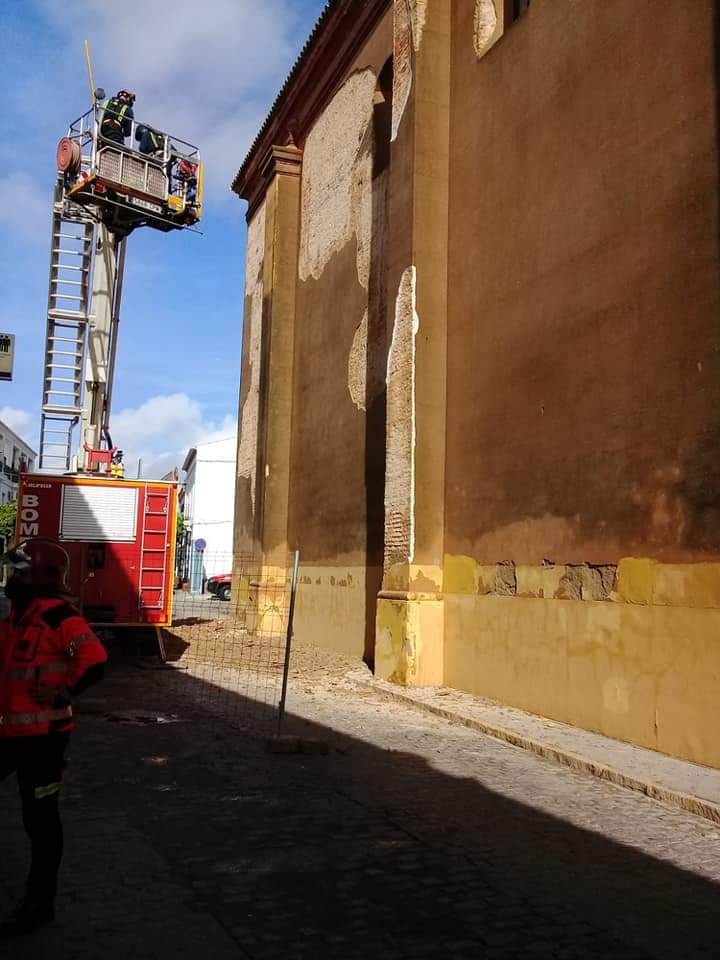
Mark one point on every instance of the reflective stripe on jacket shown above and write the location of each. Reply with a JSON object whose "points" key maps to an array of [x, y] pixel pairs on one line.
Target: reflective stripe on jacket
{"points": [[117, 114], [50, 645]]}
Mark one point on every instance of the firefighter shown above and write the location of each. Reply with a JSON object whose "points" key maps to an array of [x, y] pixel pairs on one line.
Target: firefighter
{"points": [[48, 655], [150, 142], [117, 118], [117, 467]]}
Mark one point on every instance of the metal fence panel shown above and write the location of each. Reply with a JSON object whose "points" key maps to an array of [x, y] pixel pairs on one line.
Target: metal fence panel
{"points": [[230, 648]]}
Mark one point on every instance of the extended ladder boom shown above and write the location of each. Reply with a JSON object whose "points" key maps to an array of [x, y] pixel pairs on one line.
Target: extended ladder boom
{"points": [[102, 339], [71, 245], [85, 275], [106, 189]]}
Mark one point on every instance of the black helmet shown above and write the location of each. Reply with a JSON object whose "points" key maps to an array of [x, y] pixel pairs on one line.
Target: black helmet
{"points": [[43, 563]]}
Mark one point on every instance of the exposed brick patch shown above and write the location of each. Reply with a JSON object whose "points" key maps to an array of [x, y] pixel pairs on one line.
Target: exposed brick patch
{"points": [[400, 469], [403, 63], [597, 582], [570, 587], [250, 394], [584, 581], [487, 26], [506, 579], [337, 172]]}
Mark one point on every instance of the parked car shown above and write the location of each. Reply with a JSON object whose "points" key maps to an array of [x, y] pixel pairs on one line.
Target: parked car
{"points": [[220, 586]]}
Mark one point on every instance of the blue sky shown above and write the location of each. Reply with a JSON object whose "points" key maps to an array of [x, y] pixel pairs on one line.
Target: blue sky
{"points": [[209, 81]]}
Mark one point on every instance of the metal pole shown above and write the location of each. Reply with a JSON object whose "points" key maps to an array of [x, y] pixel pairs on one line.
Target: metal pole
{"points": [[114, 331], [99, 342], [91, 78], [289, 638]]}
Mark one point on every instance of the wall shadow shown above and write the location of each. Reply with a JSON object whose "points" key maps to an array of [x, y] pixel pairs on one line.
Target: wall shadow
{"points": [[376, 362], [369, 852]]}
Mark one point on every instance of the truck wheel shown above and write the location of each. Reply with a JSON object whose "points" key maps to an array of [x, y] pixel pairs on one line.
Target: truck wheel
{"points": [[224, 592]]}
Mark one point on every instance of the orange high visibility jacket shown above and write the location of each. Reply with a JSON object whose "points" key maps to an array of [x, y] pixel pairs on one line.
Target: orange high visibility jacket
{"points": [[51, 644]]}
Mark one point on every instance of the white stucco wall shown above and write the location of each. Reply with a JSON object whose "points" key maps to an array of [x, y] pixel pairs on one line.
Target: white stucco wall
{"points": [[210, 501], [14, 454]]}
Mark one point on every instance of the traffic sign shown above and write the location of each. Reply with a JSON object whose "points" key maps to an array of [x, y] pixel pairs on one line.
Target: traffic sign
{"points": [[200, 545], [7, 352]]}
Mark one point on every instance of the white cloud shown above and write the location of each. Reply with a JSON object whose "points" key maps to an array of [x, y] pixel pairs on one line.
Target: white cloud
{"points": [[162, 430], [18, 420], [25, 207], [206, 76]]}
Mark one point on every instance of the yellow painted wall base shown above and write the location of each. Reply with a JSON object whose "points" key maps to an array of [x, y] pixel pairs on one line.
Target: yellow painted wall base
{"points": [[629, 667], [332, 606], [644, 674], [409, 642]]}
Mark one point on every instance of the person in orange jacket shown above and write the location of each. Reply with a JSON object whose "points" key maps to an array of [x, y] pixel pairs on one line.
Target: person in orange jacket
{"points": [[48, 655]]}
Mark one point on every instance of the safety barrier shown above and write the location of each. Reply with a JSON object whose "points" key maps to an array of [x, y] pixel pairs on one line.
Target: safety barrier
{"points": [[231, 638]]}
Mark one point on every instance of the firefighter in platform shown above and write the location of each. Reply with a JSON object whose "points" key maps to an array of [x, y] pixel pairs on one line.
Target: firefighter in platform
{"points": [[117, 467], [48, 655], [150, 142], [117, 117]]}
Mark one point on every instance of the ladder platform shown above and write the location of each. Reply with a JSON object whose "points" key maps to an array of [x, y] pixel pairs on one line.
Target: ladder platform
{"points": [[71, 236], [54, 410], [76, 315]]}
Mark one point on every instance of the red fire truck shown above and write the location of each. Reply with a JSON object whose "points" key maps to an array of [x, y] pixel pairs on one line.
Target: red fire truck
{"points": [[120, 536]]}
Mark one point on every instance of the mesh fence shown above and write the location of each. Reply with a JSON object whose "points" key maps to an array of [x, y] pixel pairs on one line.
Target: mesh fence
{"points": [[230, 636]]}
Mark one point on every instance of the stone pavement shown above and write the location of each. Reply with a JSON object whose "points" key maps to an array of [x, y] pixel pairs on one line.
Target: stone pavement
{"points": [[413, 838], [688, 786]]}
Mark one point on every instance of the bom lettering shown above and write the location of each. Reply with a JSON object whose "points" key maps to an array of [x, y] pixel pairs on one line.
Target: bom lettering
{"points": [[29, 516]]}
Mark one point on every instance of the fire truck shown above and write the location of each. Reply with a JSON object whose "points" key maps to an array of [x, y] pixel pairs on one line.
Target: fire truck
{"points": [[119, 534], [120, 538]]}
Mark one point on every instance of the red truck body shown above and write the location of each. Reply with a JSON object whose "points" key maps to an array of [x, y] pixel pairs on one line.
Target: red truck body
{"points": [[120, 537]]}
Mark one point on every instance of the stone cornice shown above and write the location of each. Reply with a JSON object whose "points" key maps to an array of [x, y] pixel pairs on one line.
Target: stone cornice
{"points": [[283, 160], [278, 161], [339, 36]]}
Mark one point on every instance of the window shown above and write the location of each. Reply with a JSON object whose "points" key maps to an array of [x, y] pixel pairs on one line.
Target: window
{"points": [[96, 556], [100, 514]]}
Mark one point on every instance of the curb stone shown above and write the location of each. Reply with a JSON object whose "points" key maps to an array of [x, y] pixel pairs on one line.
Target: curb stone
{"points": [[686, 802]]}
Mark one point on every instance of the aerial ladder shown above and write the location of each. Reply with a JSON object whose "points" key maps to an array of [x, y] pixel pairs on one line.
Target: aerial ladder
{"points": [[104, 191]]}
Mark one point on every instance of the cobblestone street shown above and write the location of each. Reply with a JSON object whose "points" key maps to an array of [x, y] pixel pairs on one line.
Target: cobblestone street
{"points": [[412, 838]]}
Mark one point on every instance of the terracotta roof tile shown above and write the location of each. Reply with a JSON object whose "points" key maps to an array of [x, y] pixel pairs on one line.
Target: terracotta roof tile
{"points": [[317, 29]]}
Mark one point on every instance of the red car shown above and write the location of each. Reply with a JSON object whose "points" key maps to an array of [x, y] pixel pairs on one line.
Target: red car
{"points": [[220, 586]]}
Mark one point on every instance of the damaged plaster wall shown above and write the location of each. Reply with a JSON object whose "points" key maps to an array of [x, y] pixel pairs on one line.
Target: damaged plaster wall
{"points": [[400, 468], [488, 25], [340, 361], [250, 392], [367, 359], [338, 205], [357, 365], [337, 177], [408, 30], [338, 201], [418, 16], [361, 208]]}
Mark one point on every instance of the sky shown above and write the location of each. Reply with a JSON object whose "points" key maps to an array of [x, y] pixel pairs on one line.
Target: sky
{"points": [[208, 79]]}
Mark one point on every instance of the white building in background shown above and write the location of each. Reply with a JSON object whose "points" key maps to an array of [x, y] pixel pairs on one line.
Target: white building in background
{"points": [[209, 501], [16, 457]]}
